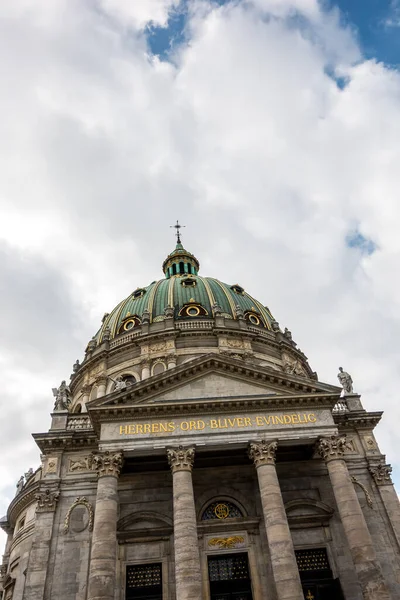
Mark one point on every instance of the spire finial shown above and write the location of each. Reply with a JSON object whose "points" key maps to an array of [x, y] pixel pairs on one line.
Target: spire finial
{"points": [[178, 233]]}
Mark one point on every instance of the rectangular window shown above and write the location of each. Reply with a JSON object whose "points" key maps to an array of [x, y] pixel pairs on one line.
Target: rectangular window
{"points": [[144, 582]]}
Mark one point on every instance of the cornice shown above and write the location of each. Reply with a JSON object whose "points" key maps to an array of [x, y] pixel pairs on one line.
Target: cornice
{"points": [[65, 440], [21, 501], [358, 420]]}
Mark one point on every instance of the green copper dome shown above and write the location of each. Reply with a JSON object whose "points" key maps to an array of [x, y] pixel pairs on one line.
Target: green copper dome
{"points": [[186, 296]]}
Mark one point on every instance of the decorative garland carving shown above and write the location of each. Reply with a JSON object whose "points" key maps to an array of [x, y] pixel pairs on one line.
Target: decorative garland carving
{"points": [[381, 474], [263, 453], [364, 489], [234, 541], [83, 501], [180, 458]]}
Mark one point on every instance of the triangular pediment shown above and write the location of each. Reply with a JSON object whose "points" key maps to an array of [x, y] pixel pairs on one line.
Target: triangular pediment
{"points": [[213, 377], [214, 384]]}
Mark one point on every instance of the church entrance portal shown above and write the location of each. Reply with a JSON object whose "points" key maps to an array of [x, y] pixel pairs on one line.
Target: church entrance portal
{"points": [[316, 575], [144, 582], [229, 577]]}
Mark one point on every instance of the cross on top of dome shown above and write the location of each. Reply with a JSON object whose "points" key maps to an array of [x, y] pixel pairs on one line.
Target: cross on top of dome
{"points": [[178, 233]]}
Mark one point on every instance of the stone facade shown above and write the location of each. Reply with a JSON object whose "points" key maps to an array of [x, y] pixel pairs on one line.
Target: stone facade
{"points": [[221, 454]]}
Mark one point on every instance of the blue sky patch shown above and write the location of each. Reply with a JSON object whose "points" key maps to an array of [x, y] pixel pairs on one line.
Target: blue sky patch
{"points": [[376, 22], [357, 240]]}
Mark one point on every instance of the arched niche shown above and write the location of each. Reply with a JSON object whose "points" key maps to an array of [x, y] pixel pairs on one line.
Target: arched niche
{"points": [[158, 368], [305, 512], [144, 524]]}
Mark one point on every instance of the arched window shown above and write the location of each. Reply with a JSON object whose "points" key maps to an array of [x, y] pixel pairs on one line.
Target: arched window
{"points": [[221, 509], [158, 368], [78, 409], [174, 269], [181, 268], [189, 268]]}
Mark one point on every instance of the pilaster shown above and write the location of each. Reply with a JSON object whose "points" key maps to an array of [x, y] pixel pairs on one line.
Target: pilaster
{"points": [[47, 498], [381, 475]]}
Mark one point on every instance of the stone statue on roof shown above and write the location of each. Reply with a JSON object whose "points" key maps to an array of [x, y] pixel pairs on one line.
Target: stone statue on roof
{"points": [[20, 484], [62, 396], [345, 381], [120, 384]]}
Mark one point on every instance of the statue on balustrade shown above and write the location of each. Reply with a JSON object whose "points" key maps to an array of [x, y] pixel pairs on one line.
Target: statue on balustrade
{"points": [[345, 381], [62, 396]]}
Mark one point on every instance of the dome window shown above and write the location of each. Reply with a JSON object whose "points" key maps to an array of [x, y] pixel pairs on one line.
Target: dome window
{"points": [[129, 323], [237, 289], [253, 318], [188, 282], [192, 309], [139, 293]]}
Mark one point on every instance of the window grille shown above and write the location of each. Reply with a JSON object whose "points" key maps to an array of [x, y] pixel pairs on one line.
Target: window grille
{"points": [[221, 510], [142, 576], [228, 567]]}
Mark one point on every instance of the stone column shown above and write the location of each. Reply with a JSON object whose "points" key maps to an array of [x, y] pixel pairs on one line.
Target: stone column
{"points": [[38, 562], [171, 361], [186, 546], [368, 569], [103, 559], [390, 499], [101, 386], [86, 389], [145, 368], [283, 559]]}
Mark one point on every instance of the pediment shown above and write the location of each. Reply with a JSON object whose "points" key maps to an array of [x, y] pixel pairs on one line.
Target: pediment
{"points": [[213, 378], [215, 385]]}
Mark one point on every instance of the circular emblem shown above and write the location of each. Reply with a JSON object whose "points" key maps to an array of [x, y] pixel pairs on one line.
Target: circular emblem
{"points": [[221, 511]]}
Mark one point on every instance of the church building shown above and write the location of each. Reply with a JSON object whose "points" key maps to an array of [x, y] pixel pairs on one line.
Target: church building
{"points": [[195, 455]]}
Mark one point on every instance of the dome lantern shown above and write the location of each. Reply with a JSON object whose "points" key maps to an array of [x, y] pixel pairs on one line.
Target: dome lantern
{"points": [[180, 261]]}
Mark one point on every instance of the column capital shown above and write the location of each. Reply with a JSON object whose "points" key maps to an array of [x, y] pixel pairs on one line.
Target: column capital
{"points": [[47, 499], [180, 458], [332, 448], [381, 474], [263, 453], [101, 380], [107, 463]]}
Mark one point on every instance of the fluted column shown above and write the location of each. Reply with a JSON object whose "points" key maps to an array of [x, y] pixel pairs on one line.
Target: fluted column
{"points": [[381, 475], [283, 559], [187, 556], [368, 570], [102, 570]]}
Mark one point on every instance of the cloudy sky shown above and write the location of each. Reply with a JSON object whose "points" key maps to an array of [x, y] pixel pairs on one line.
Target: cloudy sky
{"points": [[270, 128]]}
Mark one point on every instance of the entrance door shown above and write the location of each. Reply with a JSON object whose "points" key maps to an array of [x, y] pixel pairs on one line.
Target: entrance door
{"points": [[144, 582], [316, 575], [229, 577]]}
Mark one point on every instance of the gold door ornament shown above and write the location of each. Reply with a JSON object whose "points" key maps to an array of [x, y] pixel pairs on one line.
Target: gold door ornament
{"points": [[234, 541]]}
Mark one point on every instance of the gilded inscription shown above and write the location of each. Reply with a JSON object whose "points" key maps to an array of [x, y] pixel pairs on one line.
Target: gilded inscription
{"points": [[160, 427]]}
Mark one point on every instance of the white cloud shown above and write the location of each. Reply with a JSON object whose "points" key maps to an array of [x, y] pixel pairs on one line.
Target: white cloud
{"points": [[246, 138]]}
